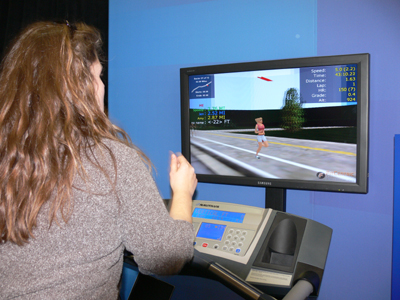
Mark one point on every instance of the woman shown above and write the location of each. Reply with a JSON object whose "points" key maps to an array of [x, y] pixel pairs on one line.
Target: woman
{"points": [[74, 191], [261, 139]]}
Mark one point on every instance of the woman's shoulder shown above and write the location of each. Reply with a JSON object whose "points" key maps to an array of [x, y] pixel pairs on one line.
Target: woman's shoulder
{"points": [[117, 146], [122, 152]]}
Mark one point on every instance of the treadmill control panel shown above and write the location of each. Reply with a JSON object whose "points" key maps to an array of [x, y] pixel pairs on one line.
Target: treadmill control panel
{"points": [[225, 229]]}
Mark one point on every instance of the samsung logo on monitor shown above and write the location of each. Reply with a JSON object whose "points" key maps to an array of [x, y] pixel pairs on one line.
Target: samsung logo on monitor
{"points": [[264, 183]]}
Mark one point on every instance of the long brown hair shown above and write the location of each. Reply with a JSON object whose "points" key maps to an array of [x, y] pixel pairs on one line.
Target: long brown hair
{"points": [[48, 116]]}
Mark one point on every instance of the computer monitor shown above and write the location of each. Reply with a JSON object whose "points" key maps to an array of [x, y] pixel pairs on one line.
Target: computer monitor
{"points": [[314, 112]]}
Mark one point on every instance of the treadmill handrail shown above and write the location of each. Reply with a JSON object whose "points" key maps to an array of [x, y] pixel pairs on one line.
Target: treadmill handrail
{"points": [[237, 284]]}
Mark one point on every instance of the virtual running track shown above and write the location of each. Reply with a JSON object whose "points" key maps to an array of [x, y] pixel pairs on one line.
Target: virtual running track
{"points": [[225, 153]]}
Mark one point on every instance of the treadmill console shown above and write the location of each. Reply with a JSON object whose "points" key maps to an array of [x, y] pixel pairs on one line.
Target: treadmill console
{"points": [[271, 250]]}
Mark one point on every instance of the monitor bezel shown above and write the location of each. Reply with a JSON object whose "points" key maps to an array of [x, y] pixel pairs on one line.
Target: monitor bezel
{"points": [[362, 60]]}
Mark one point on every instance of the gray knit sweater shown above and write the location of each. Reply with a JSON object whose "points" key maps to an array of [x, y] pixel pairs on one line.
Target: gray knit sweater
{"points": [[83, 259]]}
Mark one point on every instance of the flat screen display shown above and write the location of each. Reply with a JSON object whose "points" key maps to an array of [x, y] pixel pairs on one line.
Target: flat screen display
{"points": [[297, 123]]}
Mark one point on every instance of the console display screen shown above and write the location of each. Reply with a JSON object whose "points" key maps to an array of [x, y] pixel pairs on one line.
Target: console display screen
{"points": [[220, 215], [211, 231]]}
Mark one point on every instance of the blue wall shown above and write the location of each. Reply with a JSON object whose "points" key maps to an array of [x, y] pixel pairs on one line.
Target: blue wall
{"points": [[150, 40]]}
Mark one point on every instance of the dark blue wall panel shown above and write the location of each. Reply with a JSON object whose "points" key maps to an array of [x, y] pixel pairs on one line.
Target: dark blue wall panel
{"points": [[396, 222]]}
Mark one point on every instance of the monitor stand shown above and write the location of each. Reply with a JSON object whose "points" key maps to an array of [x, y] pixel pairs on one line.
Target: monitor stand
{"points": [[275, 198]]}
